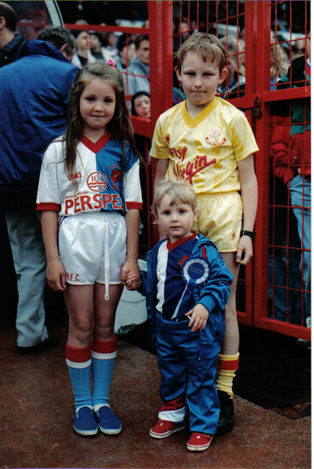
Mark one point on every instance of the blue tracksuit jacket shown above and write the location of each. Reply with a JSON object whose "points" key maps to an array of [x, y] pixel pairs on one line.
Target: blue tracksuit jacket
{"points": [[213, 293]]}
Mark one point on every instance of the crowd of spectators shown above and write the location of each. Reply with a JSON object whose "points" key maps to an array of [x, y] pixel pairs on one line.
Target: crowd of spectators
{"points": [[227, 19]]}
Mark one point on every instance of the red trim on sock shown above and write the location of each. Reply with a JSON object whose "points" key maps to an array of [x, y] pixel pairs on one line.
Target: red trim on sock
{"points": [[78, 355], [175, 404], [104, 346], [228, 364]]}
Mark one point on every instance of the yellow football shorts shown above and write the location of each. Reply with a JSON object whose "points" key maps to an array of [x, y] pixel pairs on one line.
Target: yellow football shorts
{"points": [[220, 219]]}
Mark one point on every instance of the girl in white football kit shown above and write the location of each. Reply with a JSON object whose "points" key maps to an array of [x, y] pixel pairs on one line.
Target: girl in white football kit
{"points": [[89, 194]]}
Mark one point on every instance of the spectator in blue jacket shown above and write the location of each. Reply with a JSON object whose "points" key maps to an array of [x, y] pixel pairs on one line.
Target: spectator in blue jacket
{"points": [[10, 47], [34, 92], [137, 77], [125, 52]]}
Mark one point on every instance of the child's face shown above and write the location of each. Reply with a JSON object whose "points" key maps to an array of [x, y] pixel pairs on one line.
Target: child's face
{"points": [[175, 220], [94, 43], [142, 106], [81, 40], [142, 52], [128, 52], [199, 80], [97, 106]]}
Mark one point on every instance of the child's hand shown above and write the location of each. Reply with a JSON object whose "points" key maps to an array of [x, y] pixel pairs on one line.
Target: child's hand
{"points": [[56, 277], [131, 281], [245, 250], [198, 317], [131, 267]]}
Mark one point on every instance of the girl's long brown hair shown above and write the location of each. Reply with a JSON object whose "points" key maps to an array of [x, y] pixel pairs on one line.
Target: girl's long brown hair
{"points": [[120, 125]]}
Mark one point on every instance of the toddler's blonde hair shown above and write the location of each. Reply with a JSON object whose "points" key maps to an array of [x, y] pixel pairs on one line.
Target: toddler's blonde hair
{"points": [[179, 193]]}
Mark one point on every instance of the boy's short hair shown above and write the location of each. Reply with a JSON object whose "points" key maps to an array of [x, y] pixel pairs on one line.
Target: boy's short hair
{"points": [[123, 41], [10, 16], [58, 36], [207, 46], [179, 193], [97, 34], [139, 39]]}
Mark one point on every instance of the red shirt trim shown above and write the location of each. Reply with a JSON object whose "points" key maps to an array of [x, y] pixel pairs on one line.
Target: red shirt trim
{"points": [[171, 245], [48, 206], [96, 146], [134, 205]]}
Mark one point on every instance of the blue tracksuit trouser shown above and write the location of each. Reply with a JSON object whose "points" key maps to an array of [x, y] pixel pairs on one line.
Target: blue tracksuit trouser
{"points": [[188, 365]]}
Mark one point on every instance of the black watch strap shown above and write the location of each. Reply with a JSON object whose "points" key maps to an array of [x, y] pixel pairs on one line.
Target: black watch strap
{"points": [[251, 234]]}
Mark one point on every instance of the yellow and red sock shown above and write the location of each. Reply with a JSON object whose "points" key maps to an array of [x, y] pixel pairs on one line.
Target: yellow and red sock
{"points": [[227, 367]]}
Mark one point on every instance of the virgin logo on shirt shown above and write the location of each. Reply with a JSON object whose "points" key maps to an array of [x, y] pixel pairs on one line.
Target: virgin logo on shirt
{"points": [[96, 182], [191, 169]]}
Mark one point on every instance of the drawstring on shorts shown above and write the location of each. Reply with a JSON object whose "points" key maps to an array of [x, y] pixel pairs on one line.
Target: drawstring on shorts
{"points": [[106, 261]]}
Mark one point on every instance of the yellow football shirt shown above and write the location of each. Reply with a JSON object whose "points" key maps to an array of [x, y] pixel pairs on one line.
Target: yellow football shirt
{"points": [[204, 150]]}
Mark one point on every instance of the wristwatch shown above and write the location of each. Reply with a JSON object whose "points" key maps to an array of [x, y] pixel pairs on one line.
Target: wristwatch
{"points": [[251, 234]]}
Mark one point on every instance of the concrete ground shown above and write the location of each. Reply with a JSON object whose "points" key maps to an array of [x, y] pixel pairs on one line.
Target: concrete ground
{"points": [[36, 420]]}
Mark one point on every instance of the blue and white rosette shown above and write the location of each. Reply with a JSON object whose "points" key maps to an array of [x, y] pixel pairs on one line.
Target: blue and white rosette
{"points": [[195, 271]]}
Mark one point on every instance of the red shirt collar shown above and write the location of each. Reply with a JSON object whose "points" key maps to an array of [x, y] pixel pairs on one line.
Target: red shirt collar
{"points": [[171, 245]]}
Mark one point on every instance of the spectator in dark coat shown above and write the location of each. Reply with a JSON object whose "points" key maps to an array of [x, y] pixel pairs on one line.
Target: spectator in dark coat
{"points": [[34, 92]]}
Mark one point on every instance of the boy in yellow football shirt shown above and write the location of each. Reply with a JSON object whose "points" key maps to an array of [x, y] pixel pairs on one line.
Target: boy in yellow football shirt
{"points": [[208, 143]]}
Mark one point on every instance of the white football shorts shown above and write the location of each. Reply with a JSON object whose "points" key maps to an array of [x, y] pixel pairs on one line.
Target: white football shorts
{"points": [[92, 248]]}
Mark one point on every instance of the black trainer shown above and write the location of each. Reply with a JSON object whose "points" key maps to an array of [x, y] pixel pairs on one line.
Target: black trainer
{"points": [[225, 424], [47, 343]]}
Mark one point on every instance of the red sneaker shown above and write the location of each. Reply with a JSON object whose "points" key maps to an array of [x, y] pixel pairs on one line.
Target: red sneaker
{"points": [[164, 428], [199, 442]]}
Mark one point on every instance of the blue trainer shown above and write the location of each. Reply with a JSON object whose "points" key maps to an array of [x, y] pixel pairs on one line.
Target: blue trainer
{"points": [[84, 422], [108, 423]]}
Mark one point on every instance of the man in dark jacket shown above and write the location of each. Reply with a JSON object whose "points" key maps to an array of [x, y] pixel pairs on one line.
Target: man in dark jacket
{"points": [[10, 44], [34, 93]]}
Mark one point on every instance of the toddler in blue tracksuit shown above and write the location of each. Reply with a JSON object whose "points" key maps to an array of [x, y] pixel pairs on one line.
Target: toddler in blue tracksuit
{"points": [[186, 287]]}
